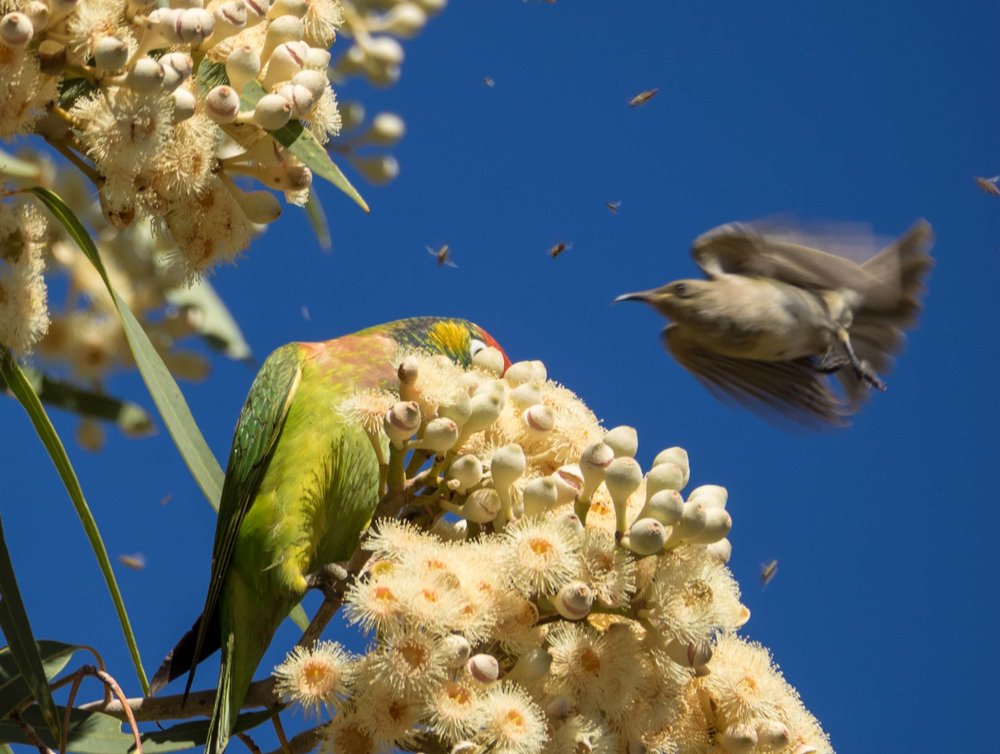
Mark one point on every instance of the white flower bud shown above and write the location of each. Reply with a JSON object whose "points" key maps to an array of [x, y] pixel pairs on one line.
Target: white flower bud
{"points": [[232, 14], [569, 483], [407, 372], [404, 20], [185, 104], [571, 520], [451, 531], [646, 537], [676, 456], [624, 475], [666, 476], [145, 75], [693, 520], [485, 409], [666, 506], [300, 98], [539, 418], [709, 495], [467, 470], [222, 104], [280, 30], [16, 30], [507, 466], [176, 68], [195, 25], [489, 360], [773, 734], [471, 381], [439, 436], [261, 207], [806, 749], [318, 59], [286, 60], [256, 10], [484, 668], [519, 373], [540, 496], [458, 409], [531, 666], [594, 462], [482, 506], [718, 522], [624, 441], [690, 654], [385, 50], [272, 112], [720, 551], [525, 395], [296, 8], [739, 739], [242, 66], [110, 54], [315, 81], [574, 600], [379, 169], [386, 130], [560, 708], [402, 421], [456, 650], [162, 26], [38, 14]]}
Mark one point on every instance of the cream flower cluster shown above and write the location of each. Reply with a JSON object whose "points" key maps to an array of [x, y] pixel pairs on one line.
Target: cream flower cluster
{"points": [[541, 593], [165, 105]]}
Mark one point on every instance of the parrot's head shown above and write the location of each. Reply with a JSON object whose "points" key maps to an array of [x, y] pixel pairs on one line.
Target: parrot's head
{"points": [[458, 339]]}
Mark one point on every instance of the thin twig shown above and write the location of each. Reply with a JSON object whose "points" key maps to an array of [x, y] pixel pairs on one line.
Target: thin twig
{"points": [[109, 684], [199, 704], [303, 742], [31, 734], [280, 730], [248, 742]]}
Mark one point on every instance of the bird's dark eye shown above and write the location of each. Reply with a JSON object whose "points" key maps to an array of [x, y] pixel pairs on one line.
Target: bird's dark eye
{"points": [[681, 289], [475, 346]]}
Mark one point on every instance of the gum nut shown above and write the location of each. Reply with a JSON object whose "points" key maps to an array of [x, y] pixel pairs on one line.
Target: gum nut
{"points": [[194, 25], [185, 104], [485, 410], [145, 75], [539, 496], [300, 98], [315, 81], [385, 50], [693, 520], [272, 112], [569, 483], [666, 506], [110, 54], [689, 654], [623, 477], [16, 30], [624, 441], [574, 600], [709, 495], [440, 435], [242, 66], [402, 421], [489, 360], [773, 733], [594, 461], [298, 177], [318, 59], [539, 418], [458, 408], [739, 739], [408, 370], [222, 104], [482, 506], [666, 476], [718, 522], [646, 537], [467, 470], [720, 551], [484, 668], [508, 465], [456, 650], [525, 394], [261, 207], [676, 456]]}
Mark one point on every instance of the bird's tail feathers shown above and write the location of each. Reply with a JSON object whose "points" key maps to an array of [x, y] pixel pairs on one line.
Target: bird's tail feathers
{"points": [[223, 715], [901, 267], [179, 660]]}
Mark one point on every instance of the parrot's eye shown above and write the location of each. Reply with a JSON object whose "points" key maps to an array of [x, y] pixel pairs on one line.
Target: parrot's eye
{"points": [[475, 346]]}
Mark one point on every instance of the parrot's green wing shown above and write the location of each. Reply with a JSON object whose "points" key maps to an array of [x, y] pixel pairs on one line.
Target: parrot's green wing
{"points": [[257, 432]]}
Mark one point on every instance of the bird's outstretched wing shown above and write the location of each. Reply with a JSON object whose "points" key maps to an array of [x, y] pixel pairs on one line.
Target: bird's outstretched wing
{"points": [[257, 432], [793, 389], [791, 257]]}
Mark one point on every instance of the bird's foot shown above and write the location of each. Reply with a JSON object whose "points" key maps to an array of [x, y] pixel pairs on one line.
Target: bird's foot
{"points": [[831, 363], [865, 373], [327, 577]]}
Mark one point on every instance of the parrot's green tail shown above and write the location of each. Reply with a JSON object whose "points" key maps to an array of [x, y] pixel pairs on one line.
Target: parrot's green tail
{"points": [[224, 714]]}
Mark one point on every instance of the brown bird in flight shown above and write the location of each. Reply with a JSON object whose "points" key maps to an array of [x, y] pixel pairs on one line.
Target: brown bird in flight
{"points": [[777, 316]]}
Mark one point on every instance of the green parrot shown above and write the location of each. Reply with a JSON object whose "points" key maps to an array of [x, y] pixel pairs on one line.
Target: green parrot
{"points": [[300, 486]]}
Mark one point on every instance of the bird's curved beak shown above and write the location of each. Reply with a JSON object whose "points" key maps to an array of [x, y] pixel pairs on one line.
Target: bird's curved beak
{"points": [[644, 296]]}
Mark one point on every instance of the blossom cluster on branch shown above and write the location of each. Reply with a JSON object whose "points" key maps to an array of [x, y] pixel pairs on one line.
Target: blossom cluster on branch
{"points": [[540, 593]]}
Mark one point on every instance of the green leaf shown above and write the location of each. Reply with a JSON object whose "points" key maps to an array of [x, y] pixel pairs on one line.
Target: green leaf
{"points": [[299, 618], [130, 417], [210, 75], [216, 325], [70, 90], [301, 143], [166, 394], [317, 221], [15, 379], [14, 689], [20, 640], [12, 167], [97, 733]]}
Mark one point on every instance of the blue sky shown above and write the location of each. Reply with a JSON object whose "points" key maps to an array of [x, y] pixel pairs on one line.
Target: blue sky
{"points": [[872, 112]]}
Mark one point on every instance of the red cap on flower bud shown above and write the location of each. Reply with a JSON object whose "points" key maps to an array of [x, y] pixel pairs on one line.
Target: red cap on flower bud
{"points": [[569, 482], [16, 30], [232, 13], [110, 53], [484, 668], [574, 600], [222, 104], [145, 75], [402, 421]]}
